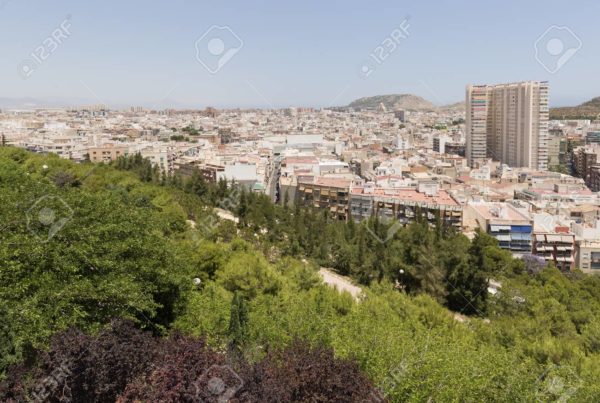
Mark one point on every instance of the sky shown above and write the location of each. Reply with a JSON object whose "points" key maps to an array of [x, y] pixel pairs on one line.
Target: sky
{"points": [[272, 54]]}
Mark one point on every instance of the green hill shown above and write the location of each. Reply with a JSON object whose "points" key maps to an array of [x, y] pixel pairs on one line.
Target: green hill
{"points": [[393, 102], [407, 102], [587, 110]]}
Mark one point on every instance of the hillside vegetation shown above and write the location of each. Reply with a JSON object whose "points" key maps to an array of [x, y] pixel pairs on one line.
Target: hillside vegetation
{"points": [[407, 102], [393, 102], [99, 264], [587, 110]]}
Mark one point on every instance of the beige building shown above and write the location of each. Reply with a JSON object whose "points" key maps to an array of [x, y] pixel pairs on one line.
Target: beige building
{"points": [[558, 153], [588, 257], [326, 193], [512, 227], [106, 153], [478, 100], [508, 122]]}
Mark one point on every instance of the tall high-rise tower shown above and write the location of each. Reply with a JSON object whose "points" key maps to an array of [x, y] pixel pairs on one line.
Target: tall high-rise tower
{"points": [[509, 123]]}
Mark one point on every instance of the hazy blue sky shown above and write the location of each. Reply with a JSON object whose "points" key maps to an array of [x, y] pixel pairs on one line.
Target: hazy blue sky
{"points": [[293, 54]]}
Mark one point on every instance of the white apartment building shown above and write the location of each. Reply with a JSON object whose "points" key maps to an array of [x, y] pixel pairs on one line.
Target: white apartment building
{"points": [[508, 122]]}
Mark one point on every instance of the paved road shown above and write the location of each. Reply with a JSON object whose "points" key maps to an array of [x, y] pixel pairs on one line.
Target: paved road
{"points": [[338, 282]]}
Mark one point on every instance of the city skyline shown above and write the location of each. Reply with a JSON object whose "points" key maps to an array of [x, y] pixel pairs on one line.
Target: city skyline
{"points": [[322, 55]]}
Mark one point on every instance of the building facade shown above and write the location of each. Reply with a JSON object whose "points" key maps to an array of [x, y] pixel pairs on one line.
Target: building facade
{"points": [[326, 193], [558, 248], [106, 153], [588, 257], [508, 122], [476, 123], [512, 228], [405, 205], [585, 165]]}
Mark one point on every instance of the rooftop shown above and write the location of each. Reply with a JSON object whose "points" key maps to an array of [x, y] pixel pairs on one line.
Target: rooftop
{"points": [[504, 212], [333, 182], [300, 160], [442, 197]]}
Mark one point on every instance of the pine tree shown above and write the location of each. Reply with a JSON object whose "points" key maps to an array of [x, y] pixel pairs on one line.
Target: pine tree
{"points": [[242, 209], [286, 200], [238, 322], [361, 256], [198, 185], [350, 228], [439, 226], [222, 188]]}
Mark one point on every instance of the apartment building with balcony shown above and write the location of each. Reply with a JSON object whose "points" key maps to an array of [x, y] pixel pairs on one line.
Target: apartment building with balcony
{"points": [[587, 257], [508, 122], [476, 123], [557, 248], [512, 227], [557, 151], [593, 181], [587, 245], [586, 160], [406, 204], [332, 194], [107, 153]]}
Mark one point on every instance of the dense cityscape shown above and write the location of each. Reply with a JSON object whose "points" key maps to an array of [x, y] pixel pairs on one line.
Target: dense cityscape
{"points": [[533, 187], [248, 202]]}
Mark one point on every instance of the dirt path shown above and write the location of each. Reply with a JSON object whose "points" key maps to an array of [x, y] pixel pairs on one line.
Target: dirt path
{"points": [[338, 282], [226, 215]]}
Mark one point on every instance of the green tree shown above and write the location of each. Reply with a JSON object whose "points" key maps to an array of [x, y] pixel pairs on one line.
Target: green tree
{"points": [[238, 322], [242, 208]]}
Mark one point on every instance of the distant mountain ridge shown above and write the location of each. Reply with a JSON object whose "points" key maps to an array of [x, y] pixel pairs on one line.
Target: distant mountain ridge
{"points": [[41, 103], [31, 103], [587, 110], [457, 106], [408, 102]]}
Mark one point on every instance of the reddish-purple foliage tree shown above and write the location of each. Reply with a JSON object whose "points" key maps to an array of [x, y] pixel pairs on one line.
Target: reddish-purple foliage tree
{"points": [[124, 364], [180, 363], [301, 373], [78, 367]]}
